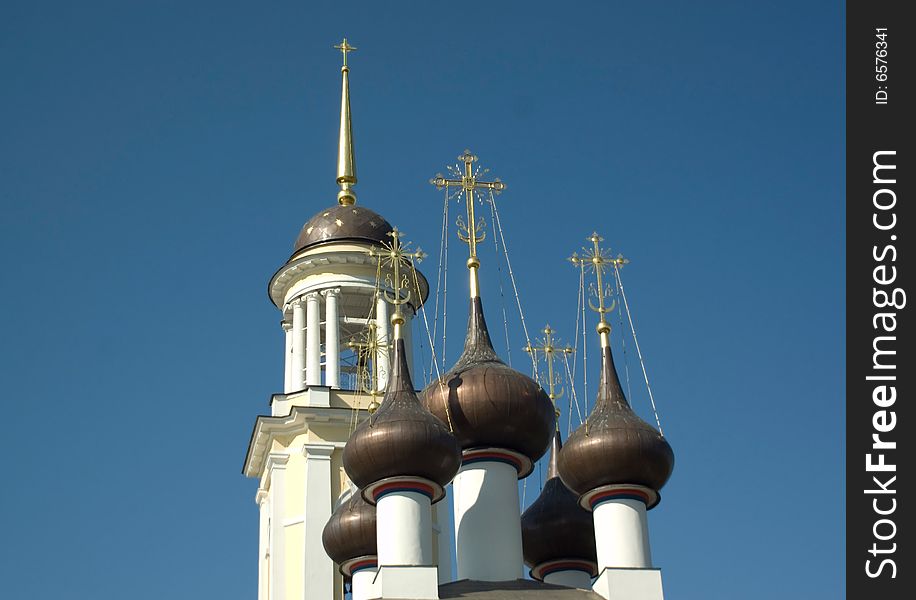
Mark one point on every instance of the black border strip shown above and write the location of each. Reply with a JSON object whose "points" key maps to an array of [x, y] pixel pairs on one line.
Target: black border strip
{"points": [[880, 391]]}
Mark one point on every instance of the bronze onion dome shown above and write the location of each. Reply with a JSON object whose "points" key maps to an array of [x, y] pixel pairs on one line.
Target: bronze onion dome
{"points": [[614, 446], [401, 439], [555, 527], [343, 223], [490, 404], [350, 532]]}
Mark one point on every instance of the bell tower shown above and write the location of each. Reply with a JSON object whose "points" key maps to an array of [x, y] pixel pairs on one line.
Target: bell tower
{"points": [[335, 297]]}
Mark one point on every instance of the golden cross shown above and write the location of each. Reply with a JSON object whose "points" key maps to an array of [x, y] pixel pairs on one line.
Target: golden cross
{"points": [[395, 256], [597, 259], [549, 348], [473, 229], [367, 350], [344, 47]]}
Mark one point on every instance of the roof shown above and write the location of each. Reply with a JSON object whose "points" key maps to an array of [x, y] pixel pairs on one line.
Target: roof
{"points": [[477, 394], [520, 589], [343, 223]]}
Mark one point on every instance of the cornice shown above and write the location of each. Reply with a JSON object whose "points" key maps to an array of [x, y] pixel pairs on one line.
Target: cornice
{"points": [[267, 429]]}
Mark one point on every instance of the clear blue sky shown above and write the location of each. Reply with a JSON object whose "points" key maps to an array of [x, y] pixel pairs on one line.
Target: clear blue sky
{"points": [[158, 159]]}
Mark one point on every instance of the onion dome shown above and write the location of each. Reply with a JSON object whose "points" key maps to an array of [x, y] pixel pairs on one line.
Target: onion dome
{"points": [[343, 223], [349, 536], [401, 439], [490, 405], [614, 446], [557, 533]]}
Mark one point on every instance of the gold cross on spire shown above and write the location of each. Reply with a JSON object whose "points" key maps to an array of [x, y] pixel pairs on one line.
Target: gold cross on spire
{"points": [[395, 256], [598, 259], [346, 158], [472, 231], [549, 349], [344, 47]]}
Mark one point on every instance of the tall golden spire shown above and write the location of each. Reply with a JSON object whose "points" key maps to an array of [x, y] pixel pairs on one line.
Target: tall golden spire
{"points": [[473, 229], [597, 259], [346, 162]]}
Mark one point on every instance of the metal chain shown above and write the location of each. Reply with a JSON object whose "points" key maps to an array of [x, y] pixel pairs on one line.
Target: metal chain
{"points": [[571, 376], [441, 275], [623, 344], [573, 397], [584, 339], [444, 281], [426, 376], [502, 296], [518, 301], [435, 361], [638, 351]]}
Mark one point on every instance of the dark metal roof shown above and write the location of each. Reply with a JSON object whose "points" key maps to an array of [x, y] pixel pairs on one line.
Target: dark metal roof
{"points": [[350, 532], [520, 589], [402, 438], [555, 527], [614, 446], [489, 403], [339, 223]]}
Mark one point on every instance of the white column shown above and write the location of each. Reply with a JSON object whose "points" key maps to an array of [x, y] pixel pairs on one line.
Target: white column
{"points": [[488, 530], [622, 534], [332, 338], [445, 541], [297, 377], [573, 579], [319, 568], [276, 469], [381, 335], [404, 529], [287, 356], [313, 339], [404, 536], [263, 541], [363, 584]]}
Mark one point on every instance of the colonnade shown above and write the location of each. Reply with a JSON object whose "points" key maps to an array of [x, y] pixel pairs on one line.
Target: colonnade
{"points": [[305, 344]]}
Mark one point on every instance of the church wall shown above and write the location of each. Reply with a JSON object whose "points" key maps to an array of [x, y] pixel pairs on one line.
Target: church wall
{"points": [[306, 493], [295, 507], [345, 399], [295, 478], [295, 558]]}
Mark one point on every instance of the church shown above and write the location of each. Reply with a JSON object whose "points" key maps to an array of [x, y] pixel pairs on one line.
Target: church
{"points": [[371, 488]]}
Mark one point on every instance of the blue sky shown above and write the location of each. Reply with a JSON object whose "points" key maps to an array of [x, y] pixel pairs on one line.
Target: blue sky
{"points": [[158, 159]]}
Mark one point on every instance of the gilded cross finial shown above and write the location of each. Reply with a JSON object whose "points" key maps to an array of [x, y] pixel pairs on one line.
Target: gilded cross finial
{"points": [[549, 349], [395, 256], [467, 181], [346, 158], [597, 259], [344, 47], [367, 350]]}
